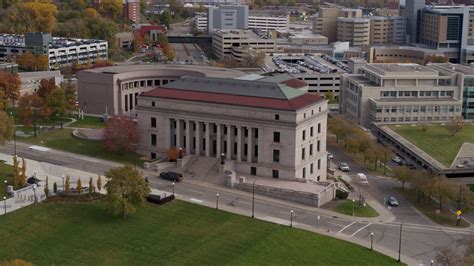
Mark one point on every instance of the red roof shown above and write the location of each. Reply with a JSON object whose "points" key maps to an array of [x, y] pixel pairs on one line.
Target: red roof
{"points": [[295, 83], [249, 101]]}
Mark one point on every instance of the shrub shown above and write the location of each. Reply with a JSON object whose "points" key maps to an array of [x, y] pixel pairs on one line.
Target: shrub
{"points": [[341, 194]]}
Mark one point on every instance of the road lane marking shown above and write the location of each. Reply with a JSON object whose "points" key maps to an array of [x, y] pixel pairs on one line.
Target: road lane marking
{"points": [[38, 148], [196, 200], [360, 229], [196, 191], [346, 227]]}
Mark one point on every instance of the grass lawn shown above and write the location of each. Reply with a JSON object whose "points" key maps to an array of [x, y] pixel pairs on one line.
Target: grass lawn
{"points": [[6, 172], [178, 233], [437, 141], [63, 140], [445, 217], [345, 207], [88, 122]]}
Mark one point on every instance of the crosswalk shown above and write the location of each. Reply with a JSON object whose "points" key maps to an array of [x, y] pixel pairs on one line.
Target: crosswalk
{"points": [[351, 229]]}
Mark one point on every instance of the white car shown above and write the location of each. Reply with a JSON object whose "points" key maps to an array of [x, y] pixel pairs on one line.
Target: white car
{"points": [[397, 160], [330, 156], [344, 167]]}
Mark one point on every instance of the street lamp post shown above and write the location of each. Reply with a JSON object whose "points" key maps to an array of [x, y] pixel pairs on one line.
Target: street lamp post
{"points": [[371, 241], [173, 188], [5, 204], [217, 201], [353, 202], [6, 187], [253, 199], [400, 244], [14, 134], [291, 218], [63, 183], [432, 262], [34, 192]]}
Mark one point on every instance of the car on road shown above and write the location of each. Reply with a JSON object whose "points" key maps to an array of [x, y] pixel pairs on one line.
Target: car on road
{"points": [[171, 176], [362, 179], [344, 167], [392, 201], [397, 160], [330, 156]]}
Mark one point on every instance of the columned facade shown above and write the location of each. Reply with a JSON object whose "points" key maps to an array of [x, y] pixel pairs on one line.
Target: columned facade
{"points": [[213, 139]]}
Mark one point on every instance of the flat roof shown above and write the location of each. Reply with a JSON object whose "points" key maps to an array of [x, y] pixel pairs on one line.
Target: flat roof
{"points": [[453, 68], [400, 69], [207, 70]]}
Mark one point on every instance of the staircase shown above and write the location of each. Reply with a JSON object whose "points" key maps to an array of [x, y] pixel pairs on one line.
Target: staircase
{"points": [[201, 167]]}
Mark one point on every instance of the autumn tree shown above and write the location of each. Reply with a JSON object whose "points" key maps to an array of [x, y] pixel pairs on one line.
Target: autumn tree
{"points": [[99, 183], [111, 8], [31, 16], [455, 125], [137, 43], [16, 173], [6, 127], [46, 187], [32, 109], [46, 87], [339, 127], [10, 87], [172, 154], [27, 61], [120, 134], [443, 190], [57, 104], [67, 185], [402, 174], [126, 190], [42, 63], [329, 95], [15, 262], [79, 186], [22, 180]]}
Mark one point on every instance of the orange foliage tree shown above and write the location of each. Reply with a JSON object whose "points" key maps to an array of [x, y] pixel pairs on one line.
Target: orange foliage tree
{"points": [[120, 134]]}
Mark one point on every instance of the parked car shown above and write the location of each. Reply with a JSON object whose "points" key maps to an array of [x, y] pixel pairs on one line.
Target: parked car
{"points": [[344, 167], [330, 156], [362, 179], [397, 160], [171, 176], [392, 201]]}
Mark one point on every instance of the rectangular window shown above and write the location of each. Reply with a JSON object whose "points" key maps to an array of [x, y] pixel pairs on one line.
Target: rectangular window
{"points": [[304, 134], [153, 155], [303, 153], [275, 173], [319, 164], [318, 146], [153, 103], [153, 122], [276, 137], [153, 139], [311, 168], [276, 156], [311, 131], [277, 117], [126, 103], [319, 128], [304, 172], [253, 170], [311, 150]]}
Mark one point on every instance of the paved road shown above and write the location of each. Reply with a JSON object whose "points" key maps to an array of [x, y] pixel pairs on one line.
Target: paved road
{"points": [[419, 242], [188, 52]]}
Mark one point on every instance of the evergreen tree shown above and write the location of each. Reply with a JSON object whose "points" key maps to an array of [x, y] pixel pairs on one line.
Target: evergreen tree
{"points": [[91, 185], [99, 183], [79, 186], [22, 181], [46, 187], [55, 188], [67, 185], [16, 173]]}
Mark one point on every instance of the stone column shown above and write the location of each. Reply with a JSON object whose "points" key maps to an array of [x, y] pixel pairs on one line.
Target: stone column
{"points": [[179, 136], [167, 135], [219, 141], [188, 137], [249, 145], [208, 139], [239, 143], [198, 138], [260, 144], [229, 144]]}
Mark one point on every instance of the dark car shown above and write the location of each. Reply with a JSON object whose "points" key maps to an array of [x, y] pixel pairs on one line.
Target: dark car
{"points": [[171, 176]]}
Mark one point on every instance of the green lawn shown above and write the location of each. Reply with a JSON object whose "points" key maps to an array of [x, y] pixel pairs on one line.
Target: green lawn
{"points": [[429, 209], [6, 172], [178, 233], [89, 122], [345, 207], [63, 140], [437, 141]]}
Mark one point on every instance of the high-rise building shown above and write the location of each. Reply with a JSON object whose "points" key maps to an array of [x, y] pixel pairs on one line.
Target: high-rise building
{"points": [[326, 23], [131, 10], [227, 17], [356, 31], [412, 8]]}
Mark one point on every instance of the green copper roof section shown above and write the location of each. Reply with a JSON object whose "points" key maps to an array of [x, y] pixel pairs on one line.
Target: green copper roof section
{"points": [[289, 92]]}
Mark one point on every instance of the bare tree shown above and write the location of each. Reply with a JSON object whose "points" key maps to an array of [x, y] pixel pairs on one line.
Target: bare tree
{"points": [[455, 125], [448, 257]]}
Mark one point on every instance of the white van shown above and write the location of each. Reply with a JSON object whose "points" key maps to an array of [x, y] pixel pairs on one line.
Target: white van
{"points": [[362, 179]]}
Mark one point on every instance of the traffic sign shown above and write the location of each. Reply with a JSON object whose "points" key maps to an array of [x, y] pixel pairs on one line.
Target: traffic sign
{"points": [[459, 212]]}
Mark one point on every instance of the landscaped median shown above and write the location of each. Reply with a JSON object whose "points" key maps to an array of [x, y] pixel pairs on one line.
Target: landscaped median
{"points": [[177, 233], [349, 207], [429, 209]]}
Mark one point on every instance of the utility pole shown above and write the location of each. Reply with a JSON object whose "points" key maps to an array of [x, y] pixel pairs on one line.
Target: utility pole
{"points": [[400, 244]]}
